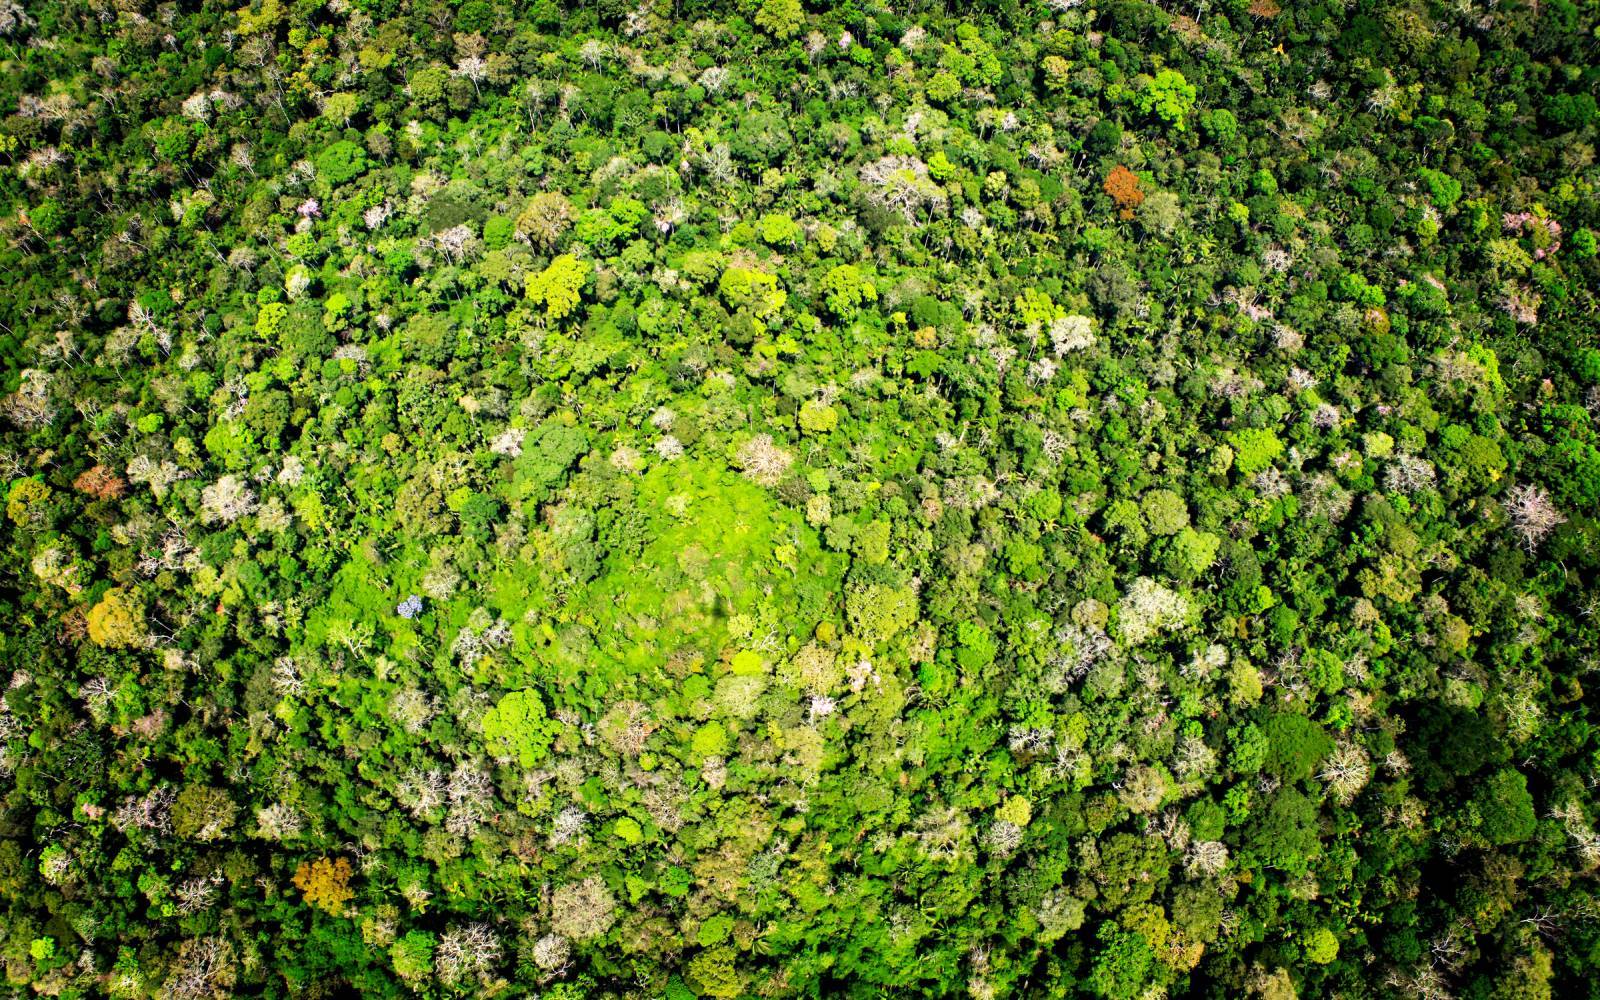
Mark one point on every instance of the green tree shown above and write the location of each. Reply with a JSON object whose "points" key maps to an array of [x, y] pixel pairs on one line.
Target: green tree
{"points": [[1505, 808], [1169, 96], [517, 729], [559, 287], [845, 290], [782, 19]]}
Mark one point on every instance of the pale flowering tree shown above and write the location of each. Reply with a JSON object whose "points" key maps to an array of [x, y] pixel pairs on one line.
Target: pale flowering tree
{"points": [[714, 80], [196, 107], [1148, 609], [508, 442], [1071, 333], [420, 792], [1532, 514], [226, 500], [466, 954], [14, 18], [901, 184], [583, 910], [278, 822], [1346, 771], [1409, 474], [377, 215], [568, 827], [456, 243], [669, 448], [552, 952], [1205, 858], [472, 68], [762, 460]]}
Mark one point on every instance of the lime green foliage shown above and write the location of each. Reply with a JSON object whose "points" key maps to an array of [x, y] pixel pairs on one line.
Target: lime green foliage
{"points": [[47, 217], [714, 930], [780, 18], [1016, 810], [1191, 553], [845, 290], [271, 318], [715, 973], [706, 559], [779, 230], [817, 417], [629, 831], [975, 646], [1322, 946], [1169, 96], [710, 740], [603, 228], [1221, 124], [1123, 964], [26, 499], [1443, 190], [516, 728], [558, 288], [943, 86], [1254, 449], [878, 613], [412, 956]]}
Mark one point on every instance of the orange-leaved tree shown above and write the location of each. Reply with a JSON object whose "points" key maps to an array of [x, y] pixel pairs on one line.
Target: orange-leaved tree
{"points": [[1122, 185]]}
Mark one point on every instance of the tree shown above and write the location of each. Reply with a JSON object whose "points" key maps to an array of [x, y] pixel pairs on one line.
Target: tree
{"points": [[1532, 514], [1295, 745], [1191, 553], [1505, 808], [845, 290], [559, 287], [341, 162], [412, 956], [1057, 73], [117, 621], [782, 19], [325, 883], [546, 218], [1254, 449], [582, 910], [1164, 512], [203, 812], [878, 613], [1124, 964], [1322, 946], [516, 729], [1123, 187], [1169, 96]]}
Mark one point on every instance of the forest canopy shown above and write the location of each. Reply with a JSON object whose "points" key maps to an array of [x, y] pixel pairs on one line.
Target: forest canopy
{"points": [[779, 498]]}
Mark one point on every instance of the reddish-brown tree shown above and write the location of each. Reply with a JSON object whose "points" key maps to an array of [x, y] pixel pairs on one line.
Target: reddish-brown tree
{"points": [[1122, 185]]}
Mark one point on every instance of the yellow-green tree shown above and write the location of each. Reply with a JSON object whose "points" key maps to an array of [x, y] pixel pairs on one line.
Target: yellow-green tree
{"points": [[559, 287], [117, 622]]}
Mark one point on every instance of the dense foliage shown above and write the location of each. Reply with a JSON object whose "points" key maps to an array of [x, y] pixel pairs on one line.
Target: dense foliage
{"points": [[654, 499]]}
